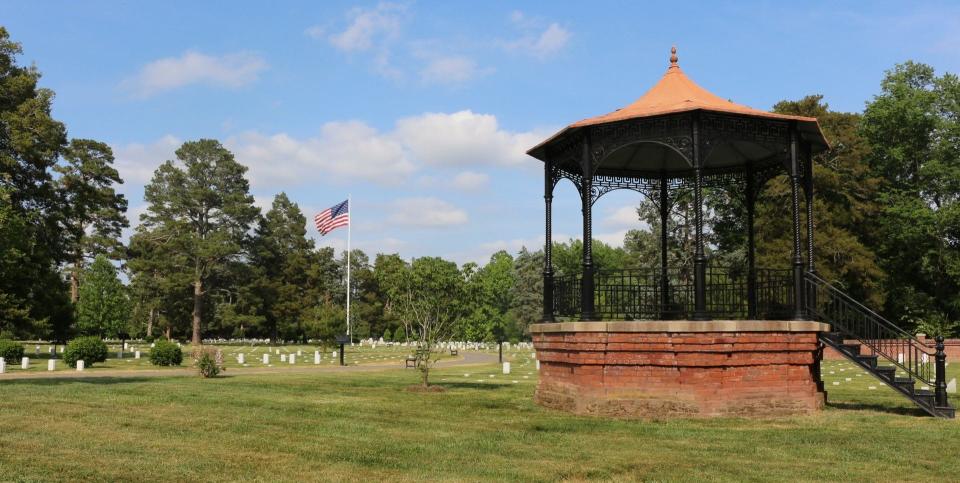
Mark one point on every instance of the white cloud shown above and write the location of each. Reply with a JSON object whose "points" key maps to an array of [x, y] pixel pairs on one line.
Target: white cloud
{"points": [[426, 213], [315, 32], [464, 138], [368, 27], [342, 150], [353, 150], [231, 71], [450, 70], [471, 181], [623, 217], [614, 239], [535, 42], [136, 162]]}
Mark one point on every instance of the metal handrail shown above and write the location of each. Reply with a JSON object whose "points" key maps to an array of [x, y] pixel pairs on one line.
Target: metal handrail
{"points": [[881, 336]]}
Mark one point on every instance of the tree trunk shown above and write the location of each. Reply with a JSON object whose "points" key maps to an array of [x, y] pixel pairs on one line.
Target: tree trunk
{"points": [[153, 314], [197, 308], [167, 332], [75, 284]]}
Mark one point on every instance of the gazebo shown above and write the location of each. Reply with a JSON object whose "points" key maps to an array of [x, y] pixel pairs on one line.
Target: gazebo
{"points": [[656, 340]]}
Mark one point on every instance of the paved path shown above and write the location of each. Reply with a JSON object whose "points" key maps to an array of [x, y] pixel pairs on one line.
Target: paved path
{"points": [[467, 359]]}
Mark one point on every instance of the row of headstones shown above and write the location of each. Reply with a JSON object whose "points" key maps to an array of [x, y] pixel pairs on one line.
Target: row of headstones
{"points": [[291, 358], [25, 364]]}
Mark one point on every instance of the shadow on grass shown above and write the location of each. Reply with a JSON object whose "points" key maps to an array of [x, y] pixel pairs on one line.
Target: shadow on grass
{"points": [[471, 385], [880, 408], [56, 381]]}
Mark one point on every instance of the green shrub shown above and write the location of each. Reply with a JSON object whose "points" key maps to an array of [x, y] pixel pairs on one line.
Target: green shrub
{"points": [[11, 351], [165, 353], [209, 360], [387, 335], [90, 350]]}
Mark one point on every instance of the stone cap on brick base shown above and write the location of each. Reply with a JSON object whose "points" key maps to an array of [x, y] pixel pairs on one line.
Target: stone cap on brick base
{"points": [[683, 326]]}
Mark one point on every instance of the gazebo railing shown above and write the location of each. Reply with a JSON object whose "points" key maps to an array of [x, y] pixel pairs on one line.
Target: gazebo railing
{"points": [[643, 294]]}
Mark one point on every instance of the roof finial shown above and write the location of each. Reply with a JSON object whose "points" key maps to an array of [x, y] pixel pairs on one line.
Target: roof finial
{"points": [[673, 56]]}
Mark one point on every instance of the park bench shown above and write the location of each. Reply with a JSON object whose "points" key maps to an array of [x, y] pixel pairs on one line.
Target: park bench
{"points": [[412, 359]]}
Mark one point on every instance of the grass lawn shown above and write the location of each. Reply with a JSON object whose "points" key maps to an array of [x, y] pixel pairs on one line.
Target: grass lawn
{"points": [[366, 427]]}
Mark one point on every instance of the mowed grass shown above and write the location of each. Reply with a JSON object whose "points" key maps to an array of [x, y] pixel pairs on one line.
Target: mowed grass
{"points": [[367, 427]]}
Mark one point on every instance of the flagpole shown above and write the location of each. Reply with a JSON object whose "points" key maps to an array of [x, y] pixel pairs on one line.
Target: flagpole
{"points": [[349, 229]]}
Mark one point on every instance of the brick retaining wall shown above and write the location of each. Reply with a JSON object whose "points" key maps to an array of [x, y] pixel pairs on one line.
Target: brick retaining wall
{"points": [[656, 374]]}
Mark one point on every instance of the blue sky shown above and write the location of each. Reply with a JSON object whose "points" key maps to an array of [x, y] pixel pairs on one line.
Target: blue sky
{"points": [[423, 110]]}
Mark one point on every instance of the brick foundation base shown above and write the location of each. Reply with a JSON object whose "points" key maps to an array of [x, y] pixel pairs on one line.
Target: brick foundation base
{"points": [[653, 369]]}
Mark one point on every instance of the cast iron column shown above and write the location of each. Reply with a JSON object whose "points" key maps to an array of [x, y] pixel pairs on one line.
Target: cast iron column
{"points": [[940, 391], [751, 198], [548, 242], [586, 190], [798, 313], [808, 194], [699, 259], [664, 219]]}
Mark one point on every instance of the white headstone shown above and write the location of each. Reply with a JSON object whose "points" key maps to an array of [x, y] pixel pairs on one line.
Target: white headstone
{"points": [[924, 358], [125, 346], [278, 351], [136, 355], [334, 354], [266, 358], [61, 350], [240, 358], [292, 358], [120, 355], [900, 358], [52, 365], [25, 363], [3, 365], [152, 345], [80, 365], [37, 351], [316, 357], [506, 368], [538, 364], [299, 353], [952, 386], [283, 358]]}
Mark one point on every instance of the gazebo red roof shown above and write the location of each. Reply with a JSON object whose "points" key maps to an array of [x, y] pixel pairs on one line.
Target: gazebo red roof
{"points": [[674, 93]]}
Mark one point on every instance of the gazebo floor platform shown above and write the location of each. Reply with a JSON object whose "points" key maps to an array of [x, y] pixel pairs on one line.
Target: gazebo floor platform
{"points": [[680, 368]]}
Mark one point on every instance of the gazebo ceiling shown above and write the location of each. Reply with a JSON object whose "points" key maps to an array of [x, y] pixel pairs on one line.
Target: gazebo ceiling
{"points": [[676, 94]]}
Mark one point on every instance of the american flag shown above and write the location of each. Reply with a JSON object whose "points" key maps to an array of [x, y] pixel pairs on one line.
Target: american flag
{"points": [[332, 218]]}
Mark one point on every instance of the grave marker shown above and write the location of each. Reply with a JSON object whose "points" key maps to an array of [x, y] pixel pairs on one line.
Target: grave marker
{"points": [[266, 358], [506, 368], [25, 363], [80, 365], [283, 358], [292, 358], [136, 355], [51, 365], [3, 365], [316, 357], [240, 358]]}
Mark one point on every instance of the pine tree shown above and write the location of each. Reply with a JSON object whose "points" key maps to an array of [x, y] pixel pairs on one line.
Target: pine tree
{"points": [[95, 212], [283, 254], [202, 207], [104, 308]]}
